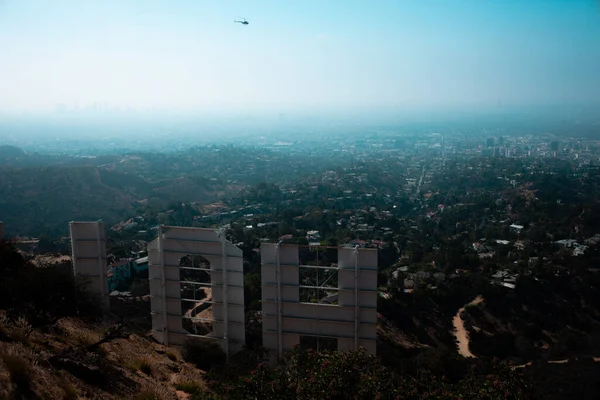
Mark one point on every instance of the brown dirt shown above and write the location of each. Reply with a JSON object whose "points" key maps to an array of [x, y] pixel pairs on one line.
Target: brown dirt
{"points": [[122, 368], [462, 336]]}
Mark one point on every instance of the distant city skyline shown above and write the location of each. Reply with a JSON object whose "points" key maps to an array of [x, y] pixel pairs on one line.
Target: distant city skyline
{"points": [[310, 55]]}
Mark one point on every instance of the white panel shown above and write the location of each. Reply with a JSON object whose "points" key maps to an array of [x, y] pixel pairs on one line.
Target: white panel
{"points": [[267, 274], [156, 305], [345, 344], [234, 295], [186, 233], [269, 293], [368, 315], [173, 307], [152, 246], [86, 267], [177, 242], [367, 279], [269, 308], [365, 299], [367, 259], [190, 247], [319, 319], [367, 331], [174, 324], [316, 311], [235, 314], [369, 345], [269, 323], [289, 341], [173, 289], [270, 341], [154, 272], [346, 258], [290, 293], [89, 257]]}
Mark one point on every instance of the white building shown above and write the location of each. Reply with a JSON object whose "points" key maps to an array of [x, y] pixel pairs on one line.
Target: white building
{"points": [[516, 228]]}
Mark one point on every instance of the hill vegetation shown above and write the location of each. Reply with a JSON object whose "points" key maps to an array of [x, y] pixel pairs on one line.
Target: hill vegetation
{"points": [[53, 345]]}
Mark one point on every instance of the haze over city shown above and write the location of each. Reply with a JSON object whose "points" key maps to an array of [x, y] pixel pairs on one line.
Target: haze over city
{"points": [[297, 56]]}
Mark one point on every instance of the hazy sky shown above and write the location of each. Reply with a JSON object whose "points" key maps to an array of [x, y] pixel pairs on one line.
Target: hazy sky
{"points": [[298, 54]]}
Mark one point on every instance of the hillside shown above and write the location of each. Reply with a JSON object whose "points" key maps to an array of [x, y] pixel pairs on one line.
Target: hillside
{"points": [[63, 361], [51, 196], [11, 152], [55, 344], [537, 323]]}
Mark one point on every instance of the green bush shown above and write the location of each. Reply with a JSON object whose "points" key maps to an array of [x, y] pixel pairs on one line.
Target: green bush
{"points": [[357, 375], [205, 354], [145, 368]]}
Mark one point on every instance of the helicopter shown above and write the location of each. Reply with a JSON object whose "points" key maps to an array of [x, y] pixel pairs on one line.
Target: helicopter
{"points": [[243, 22]]}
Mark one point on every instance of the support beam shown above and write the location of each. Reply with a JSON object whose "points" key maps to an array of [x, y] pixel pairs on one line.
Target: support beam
{"points": [[279, 311], [225, 302], [356, 305], [163, 280]]}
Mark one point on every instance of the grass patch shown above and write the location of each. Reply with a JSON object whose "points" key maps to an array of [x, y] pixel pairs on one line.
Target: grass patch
{"points": [[86, 338], [146, 396], [155, 391], [60, 339], [189, 387], [70, 392], [19, 370], [146, 368], [140, 365]]}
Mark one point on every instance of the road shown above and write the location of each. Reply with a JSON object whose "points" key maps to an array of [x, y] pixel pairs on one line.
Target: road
{"points": [[461, 334]]}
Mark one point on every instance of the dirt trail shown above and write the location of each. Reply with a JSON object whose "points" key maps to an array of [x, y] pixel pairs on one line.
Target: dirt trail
{"points": [[462, 336]]}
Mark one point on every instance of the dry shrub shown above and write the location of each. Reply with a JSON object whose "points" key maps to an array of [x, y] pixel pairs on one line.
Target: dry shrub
{"points": [[19, 363], [17, 330], [70, 392], [86, 337], [4, 322], [21, 330], [171, 356], [189, 386], [142, 364], [154, 391]]}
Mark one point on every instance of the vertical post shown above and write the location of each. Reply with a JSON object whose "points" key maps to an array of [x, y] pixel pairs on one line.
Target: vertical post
{"points": [[73, 260], [318, 302], [356, 298], [102, 268], [225, 303], [279, 322], [163, 284]]}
